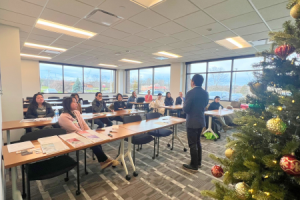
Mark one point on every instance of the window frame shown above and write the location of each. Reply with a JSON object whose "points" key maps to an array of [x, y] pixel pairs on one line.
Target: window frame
{"points": [[153, 74], [187, 64], [82, 66]]}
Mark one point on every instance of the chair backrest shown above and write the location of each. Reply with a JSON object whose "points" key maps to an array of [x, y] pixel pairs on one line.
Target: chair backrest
{"points": [[105, 96], [89, 109], [65, 97], [140, 99], [42, 133], [111, 106], [130, 119], [85, 102], [125, 95], [53, 97], [154, 115], [26, 105]]}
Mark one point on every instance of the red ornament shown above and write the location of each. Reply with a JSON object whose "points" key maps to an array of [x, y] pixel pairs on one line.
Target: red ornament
{"points": [[284, 50], [217, 171], [290, 165]]}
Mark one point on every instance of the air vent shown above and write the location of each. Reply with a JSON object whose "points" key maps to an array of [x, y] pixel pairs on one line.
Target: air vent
{"points": [[161, 58], [260, 42], [103, 17], [53, 52]]}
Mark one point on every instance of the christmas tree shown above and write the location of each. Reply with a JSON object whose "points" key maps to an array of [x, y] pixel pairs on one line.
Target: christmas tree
{"points": [[77, 87], [263, 157]]}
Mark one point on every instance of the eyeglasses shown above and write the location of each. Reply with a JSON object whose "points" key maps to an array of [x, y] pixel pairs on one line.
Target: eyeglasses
{"points": [[99, 95]]}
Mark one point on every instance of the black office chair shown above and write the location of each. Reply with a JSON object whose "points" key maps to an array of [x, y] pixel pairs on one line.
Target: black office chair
{"points": [[136, 139], [29, 99], [53, 97], [48, 168], [158, 133], [85, 102], [26, 105]]}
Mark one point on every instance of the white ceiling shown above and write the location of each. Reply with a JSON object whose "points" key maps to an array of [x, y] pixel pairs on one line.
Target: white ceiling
{"points": [[177, 26]]}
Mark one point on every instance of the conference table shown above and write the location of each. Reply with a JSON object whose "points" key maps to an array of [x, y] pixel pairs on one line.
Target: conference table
{"points": [[177, 107], [12, 160]]}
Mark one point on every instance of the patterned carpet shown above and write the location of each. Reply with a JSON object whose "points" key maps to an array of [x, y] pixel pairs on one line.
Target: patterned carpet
{"points": [[159, 179]]}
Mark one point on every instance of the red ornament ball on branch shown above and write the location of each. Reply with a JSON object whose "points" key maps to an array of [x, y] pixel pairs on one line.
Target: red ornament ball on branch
{"points": [[284, 50], [290, 165], [217, 171]]}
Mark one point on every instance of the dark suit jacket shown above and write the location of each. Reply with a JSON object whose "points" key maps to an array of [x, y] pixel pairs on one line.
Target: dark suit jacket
{"points": [[179, 100], [194, 106]]}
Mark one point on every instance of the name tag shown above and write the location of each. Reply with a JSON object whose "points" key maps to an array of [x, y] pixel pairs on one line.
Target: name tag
{"points": [[44, 110], [75, 122]]}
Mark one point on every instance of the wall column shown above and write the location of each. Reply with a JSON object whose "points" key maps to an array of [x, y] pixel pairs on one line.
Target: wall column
{"points": [[177, 83]]}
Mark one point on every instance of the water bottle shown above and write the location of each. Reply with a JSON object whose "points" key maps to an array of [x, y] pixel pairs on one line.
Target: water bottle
{"points": [[133, 107], [56, 113], [220, 109]]}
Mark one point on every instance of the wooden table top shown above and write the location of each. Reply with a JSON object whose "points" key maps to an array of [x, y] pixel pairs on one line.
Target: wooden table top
{"points": [[177, 107], [88, 116], [145, 102], [223, 112], [13, 159]]}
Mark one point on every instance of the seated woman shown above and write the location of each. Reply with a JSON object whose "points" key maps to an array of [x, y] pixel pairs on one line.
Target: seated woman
{"points": [[76, 96], [72, 121], [38, 108], [98, 106], [156, 105], [119, 105], [169, 101], [132, 98]]}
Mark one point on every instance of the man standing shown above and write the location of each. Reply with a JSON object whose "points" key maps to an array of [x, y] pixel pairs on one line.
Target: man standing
{"points": [[194, 106]]}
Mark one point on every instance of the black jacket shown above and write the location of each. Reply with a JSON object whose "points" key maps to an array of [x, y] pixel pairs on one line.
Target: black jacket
{"points": [[119, 104], [99, 106], [178, 101], [169, 101], [194, 106], [214, 106], [32, 113]]}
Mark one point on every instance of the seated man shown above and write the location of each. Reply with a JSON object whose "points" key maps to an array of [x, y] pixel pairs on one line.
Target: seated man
{"points": [[179, 101], [215, 106], [157, 103], [98, 106]]}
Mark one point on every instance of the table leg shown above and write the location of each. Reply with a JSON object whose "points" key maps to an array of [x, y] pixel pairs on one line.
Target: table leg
{"points": [[130, 157], [122, 158], [93, 122], [16, 194], [209, 127], [176, 136], [168, 112], [8, 137]]}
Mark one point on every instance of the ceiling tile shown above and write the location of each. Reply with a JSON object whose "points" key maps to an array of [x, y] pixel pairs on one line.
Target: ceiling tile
{"points": [[210, 29], [229, 8], [185, 35], [278, 23], [45, 33], [257, 36], [134, 39], [166, 40], [21, 7], [259, 4], [93, 3], [251, 29], [64, 43], [90, 26], [129, 27], [37, 2], [78, 9], [275, 12], [22, 27], [31, 51], [151, 44], [206, 3], [85, 46], [242, 20], [40, 42], [122, 8], [71, 38], [115, 33], [198, 40], [162, 48], [220, 36], [175, 8], [41, 38], [191, 48], [103, 39], [122, 43], [16, 17], [195, 20], [114, 47], [93, 43], [169, 28], [137, 48], [179, 44], [150, 34], [148, 18], [208, 45], [59, 17]]}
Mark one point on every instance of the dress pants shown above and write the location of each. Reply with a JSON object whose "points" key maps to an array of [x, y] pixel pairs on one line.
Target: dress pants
{"points": [[97, 150], [193, 136], [102, 121]]}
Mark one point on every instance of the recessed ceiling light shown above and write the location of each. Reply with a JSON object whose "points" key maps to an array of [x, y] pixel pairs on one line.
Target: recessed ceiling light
{"points": [[38, 46], [167, 54], [147, 3], [107, 65], [130, 61], [35, 56], [60, 28], [234, 43]]}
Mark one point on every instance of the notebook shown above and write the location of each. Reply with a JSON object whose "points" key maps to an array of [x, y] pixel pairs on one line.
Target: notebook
{"points": [[75, 140], [52, 144]]}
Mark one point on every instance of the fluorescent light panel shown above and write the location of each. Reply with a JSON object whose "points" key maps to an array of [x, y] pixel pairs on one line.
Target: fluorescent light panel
{"points": [[130, 61], [35, 56], [38, 46], [147, 3], [107, 65], [167, 54], [234, 43], [60, 28]]}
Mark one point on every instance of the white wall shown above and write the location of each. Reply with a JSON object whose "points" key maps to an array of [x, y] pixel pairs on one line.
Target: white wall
{"points": [[177, 79]]}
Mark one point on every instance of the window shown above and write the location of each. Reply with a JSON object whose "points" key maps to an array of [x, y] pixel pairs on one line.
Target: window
{"points": [[226, 78], [51, 78], [55, 78], [91, 80], [155, 79], [107, 81]]}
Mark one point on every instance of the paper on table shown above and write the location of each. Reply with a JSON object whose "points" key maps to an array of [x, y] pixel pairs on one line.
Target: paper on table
{"points": [[19, 146], [36, 120], [75, 140], [52, 144], [93, 135]]}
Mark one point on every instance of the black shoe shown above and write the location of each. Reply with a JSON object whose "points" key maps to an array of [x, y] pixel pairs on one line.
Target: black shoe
{"points": [[189, 167]]}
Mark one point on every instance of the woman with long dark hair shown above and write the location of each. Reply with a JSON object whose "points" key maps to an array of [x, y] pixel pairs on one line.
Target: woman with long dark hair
{"points": [[72, 121], [169, 101], [76, 96], [119, 105]]}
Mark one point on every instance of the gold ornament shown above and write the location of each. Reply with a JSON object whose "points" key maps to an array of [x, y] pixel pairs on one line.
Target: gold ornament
{"points": [[295, 11], [276, 126], [258, 87], [241, 189], [229, 152]]}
